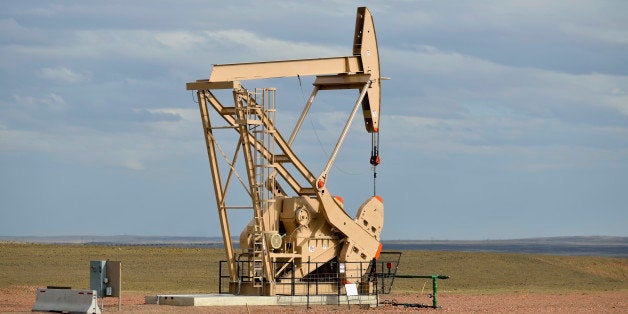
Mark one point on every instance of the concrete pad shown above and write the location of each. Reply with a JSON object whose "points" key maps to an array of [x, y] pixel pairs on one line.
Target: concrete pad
{"points": [[327, 300], [235, 300], [209, 300]]}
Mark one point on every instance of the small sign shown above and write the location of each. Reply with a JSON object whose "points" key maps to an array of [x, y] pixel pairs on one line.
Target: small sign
{"points": [[352, 289], [342, 268]]}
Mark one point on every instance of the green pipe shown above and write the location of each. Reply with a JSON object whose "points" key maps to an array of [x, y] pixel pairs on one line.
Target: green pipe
{"points": [[435, 291], [427, 277], [434, 285]]}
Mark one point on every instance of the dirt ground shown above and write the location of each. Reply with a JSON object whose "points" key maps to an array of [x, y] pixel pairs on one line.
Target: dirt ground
{"points": [[22, 298]]}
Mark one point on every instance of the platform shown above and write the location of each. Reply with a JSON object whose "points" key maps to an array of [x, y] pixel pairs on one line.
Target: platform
{"points": [[236, 300]]}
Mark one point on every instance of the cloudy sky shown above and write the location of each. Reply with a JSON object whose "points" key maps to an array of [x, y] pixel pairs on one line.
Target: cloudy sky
{"points": [[503, 119]]}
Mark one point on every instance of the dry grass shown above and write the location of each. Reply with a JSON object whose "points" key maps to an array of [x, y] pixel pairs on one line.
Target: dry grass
{"points": [[144, 269], [194, 270], [499, 273]]}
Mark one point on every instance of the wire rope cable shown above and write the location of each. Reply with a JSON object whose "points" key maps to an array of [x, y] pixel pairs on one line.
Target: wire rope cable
{"points": [[320, 143]]}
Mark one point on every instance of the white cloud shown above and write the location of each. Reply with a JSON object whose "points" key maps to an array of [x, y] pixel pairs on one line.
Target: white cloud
{"points": [[445, 77], [598, 33], [268, 48], [133, 149], [183, 129], [134, 165], [186, 114], [80, 145], [180, 40], [64, 75], [11, 30], [519, 142], [50, 101], [189, 48], [620, 102], [46, 10]]}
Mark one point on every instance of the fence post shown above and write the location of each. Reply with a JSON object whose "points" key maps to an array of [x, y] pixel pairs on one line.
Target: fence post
{"points": [[219, 277], [292, 280], [376, 286], [435, 291], [308, 283], [338, 280], [317, 277]]}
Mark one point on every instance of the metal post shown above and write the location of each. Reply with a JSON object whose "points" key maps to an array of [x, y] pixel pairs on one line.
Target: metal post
{"points": [[292, 280], [303, 114], [382, 279], [317, 278], [210, 144], [360, 278], [338, 280], [376, 286], [435, 291], [308, 283]]}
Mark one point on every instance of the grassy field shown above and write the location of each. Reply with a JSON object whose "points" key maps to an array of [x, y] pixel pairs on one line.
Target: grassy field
{"points": [[194, 270]]}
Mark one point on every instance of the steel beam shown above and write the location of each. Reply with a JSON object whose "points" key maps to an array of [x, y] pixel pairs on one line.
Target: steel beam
{"points": [[284, 68]]}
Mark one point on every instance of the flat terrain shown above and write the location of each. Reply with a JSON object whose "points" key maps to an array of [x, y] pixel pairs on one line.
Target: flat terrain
{"points": [[480, 282]]}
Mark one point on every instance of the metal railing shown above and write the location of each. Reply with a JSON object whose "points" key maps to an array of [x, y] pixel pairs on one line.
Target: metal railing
{"points": [[329, 278]]}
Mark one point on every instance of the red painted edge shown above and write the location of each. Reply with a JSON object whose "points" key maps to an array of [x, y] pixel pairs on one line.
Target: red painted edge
{"points": [[339, 199], [379, 250]]}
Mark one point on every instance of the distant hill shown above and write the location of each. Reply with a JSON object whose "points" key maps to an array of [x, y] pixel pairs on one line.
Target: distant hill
{"points": [[572, 245], [579, 240], [120, 240], [568, 245]]}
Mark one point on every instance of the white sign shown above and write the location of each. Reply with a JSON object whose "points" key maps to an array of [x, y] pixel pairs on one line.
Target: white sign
{"points": [[352, 289], [342, 268]]}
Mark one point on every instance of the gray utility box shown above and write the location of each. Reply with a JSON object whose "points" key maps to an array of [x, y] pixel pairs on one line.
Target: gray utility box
{"points": [[98, 277]]}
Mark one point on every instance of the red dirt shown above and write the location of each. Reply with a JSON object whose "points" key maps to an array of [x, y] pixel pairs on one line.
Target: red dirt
{"points": [[22, 298]]}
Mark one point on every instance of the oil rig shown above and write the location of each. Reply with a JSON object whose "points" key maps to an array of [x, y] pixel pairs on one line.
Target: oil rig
{"points": [[299, 231]]}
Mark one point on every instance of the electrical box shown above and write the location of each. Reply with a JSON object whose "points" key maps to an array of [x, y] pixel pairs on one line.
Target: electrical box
{"points": [[114, 277], [98, 277]]}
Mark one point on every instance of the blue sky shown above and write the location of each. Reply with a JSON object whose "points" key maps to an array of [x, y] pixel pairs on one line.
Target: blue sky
{"points": [[503, 119]]}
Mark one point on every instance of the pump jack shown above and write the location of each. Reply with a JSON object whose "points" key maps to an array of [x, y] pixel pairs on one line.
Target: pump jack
{"points": [[291, 231]]}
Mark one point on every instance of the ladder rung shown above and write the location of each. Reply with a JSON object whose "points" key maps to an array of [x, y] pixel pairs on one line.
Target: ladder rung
{"points": [[238, 207], [264, 131], [249, 122], [224, 127], [228, 110], [307, 191], [281, 158]]}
